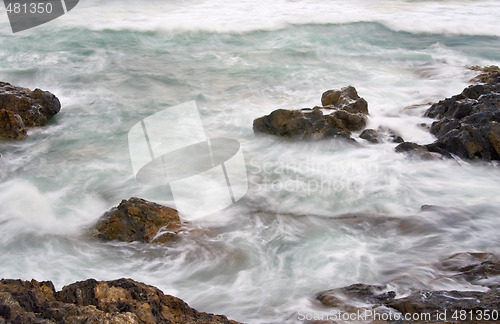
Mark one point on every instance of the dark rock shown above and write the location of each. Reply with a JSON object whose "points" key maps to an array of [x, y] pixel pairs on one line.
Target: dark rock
{"points": [[415, 149], [432, 302], [491, 74], [494, 136], [139, 220], [346, 99], [349, 115], [397, 139], [91, 301], [371, 135], [27, 108], [475, 268], [467, 125], [361, 293], [299, 124]]}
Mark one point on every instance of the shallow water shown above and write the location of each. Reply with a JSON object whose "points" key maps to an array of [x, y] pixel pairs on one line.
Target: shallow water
{"points": [[113, 63]]}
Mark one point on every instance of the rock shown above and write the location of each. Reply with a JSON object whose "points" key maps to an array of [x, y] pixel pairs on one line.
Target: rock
{"points": [[349, 116], [475, 268], [447, 302], [494, 136], [467, 123], [370, 135], [346, 99], [11, 125], [139, 220], [397, 139], [25, 108], [491, 74], [119, 301], [415, 149], [357, 293]]}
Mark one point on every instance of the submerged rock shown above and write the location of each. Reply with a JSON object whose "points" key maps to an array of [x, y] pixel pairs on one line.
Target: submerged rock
{"points": [[419, 150], [467, 125], [139, 220], [349, 115], [118, 301], [21, 107], [11, 125], [474, 268], [357, 293]]}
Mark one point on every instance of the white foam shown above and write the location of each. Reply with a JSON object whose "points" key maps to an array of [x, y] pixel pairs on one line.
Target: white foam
{"points": [[451, 17]]}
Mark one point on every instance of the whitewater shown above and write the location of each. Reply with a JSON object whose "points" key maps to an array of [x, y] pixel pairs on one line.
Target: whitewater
{"points": [[113, 63]]}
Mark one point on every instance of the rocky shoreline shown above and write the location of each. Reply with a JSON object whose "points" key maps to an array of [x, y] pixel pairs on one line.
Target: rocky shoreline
{"points": [[122, 301], [467, 126]]}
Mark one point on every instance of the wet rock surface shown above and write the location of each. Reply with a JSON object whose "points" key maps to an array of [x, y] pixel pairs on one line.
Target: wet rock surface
{"points": [[140, 220], [467, 124], [21, 107], [11, 125], [371, 135], [480, 269], [118, 301], [349, 114]]}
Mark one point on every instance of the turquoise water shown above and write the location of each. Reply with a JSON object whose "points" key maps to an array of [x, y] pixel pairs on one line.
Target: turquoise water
{"points": [[112, 63]]}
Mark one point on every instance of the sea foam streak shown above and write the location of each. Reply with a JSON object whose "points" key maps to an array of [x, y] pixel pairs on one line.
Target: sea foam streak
{"points": [[451, 17]]}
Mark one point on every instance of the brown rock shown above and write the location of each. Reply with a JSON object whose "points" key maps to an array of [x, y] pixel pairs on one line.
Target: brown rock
{"points": [[35, 107], [490, 74], [346, 99], [494, 136], [122, 301], [475, 268], [466, 125], [11, 125], [366, 294], [139, 220]]}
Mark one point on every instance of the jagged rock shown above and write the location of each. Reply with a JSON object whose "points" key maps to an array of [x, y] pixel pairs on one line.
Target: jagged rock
{"points": [[468, 122], [122, 301], [371, 135], [25, 108], [349, 115], [346, 99], [139, 220], [494, 136], [11, 125], [366, 294], [475, 268], [448, 302]]}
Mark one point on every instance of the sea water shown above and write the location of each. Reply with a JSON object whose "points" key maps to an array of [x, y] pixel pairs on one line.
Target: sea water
{"points": [[113, 63]]}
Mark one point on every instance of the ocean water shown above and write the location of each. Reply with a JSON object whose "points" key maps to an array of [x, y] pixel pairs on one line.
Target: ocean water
{"points": [[113, 63]]}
